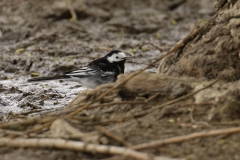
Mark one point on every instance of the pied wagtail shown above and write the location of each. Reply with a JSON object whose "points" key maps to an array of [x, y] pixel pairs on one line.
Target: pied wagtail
{"points": [[100, 71]]}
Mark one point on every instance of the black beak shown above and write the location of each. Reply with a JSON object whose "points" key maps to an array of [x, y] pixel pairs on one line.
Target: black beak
{"points": [[127, 58]]}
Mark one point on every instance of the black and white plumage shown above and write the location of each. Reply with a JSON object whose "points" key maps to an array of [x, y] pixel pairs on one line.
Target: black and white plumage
{"points": [[100, 71]]}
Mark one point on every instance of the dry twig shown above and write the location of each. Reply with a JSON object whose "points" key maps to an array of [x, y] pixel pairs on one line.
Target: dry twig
{"points": [[160, 49], [114, 103], [196, 122], [39, 128], [10, 132], [226, 123], [111, 135], [18, 123], [77, 146], [185, 96], [183, 138]]}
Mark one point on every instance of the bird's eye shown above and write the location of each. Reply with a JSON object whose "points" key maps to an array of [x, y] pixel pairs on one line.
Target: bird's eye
{"points": [[117, 57]]}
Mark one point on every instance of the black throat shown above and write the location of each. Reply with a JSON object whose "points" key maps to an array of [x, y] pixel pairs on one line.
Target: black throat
{"points": [[121, 66]]}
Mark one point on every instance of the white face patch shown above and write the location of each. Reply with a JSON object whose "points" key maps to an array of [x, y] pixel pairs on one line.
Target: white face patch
{"points": [[116, 57]]}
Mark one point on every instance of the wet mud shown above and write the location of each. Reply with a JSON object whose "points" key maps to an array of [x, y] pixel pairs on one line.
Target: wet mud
{"points": [[37, 38]]}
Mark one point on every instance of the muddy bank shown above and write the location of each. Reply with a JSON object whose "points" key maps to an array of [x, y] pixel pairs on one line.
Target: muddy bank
{"points": [[40, 40]]}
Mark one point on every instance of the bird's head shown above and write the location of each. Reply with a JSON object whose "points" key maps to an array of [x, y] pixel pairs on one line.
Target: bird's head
{"points": [[116, 56]]}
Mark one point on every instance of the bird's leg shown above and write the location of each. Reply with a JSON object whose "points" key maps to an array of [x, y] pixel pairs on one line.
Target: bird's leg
{"points": [[71, 9]]}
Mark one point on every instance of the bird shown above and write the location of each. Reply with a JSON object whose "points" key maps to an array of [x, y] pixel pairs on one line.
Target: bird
{"points": [[100, 71]]}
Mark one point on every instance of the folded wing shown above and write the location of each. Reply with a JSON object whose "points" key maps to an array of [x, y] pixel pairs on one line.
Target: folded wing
{"points": [[88, 72]]}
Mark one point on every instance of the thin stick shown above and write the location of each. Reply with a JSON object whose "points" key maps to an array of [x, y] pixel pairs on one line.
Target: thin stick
{"points": [[14, 124], [111, 135], [11, 132], [160, 49], [113, 103], [183, 138], [226, 123], [41, 127], [197, 104], [35, 111], [119, 119], [152, 97], [70, 115], [196, 122], [77, 146], [185, 96]]}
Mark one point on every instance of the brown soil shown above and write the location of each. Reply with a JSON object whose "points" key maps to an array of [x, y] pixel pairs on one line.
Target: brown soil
{"points": [[37, 37]]}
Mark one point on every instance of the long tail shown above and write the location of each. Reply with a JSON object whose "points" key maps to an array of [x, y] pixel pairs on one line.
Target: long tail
{"points": [[47, 78]]}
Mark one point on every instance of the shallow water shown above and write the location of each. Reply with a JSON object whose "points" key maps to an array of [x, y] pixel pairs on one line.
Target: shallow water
{"points": [[45, 95]]}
